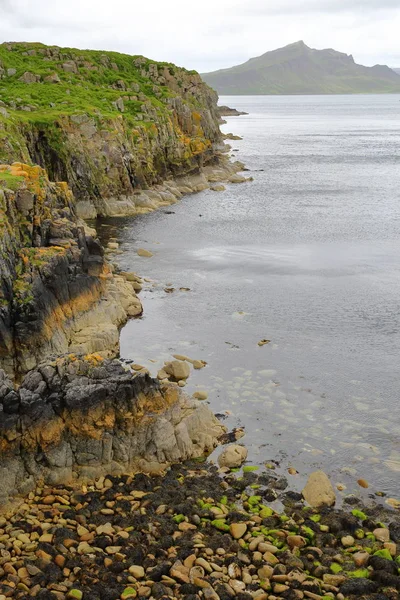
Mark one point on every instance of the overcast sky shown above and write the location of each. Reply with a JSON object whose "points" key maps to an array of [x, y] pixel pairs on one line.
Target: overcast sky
{"points": [[209, 34]]}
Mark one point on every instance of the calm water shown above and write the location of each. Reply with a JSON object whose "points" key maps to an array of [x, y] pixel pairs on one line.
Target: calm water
{"points": [[307, 256]]}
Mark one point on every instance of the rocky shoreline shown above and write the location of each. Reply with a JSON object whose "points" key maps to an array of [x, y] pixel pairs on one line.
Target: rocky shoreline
{"points": [[195, 532], [76, 418]]}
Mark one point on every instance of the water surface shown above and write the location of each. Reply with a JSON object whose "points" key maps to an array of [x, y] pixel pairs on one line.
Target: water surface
{"points": [[307, 256]]}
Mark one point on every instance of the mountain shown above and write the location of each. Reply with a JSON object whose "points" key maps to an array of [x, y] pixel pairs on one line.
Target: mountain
{"points": [[396, 71], [298, 69]]}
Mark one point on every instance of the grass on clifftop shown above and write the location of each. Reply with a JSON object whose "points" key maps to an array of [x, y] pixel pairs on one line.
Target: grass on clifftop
{"points": [[86, 81]]}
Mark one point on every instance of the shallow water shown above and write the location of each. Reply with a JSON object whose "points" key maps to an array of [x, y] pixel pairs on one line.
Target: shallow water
{"points": [[307, 256]]}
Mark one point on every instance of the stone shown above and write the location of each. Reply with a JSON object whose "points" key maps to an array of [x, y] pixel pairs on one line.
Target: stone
{"points": [[232, 456], [128, 592], [319, 490], [348, 541], [144, 252], [237, 179], [75, 594], [106, 529], [392, 547], [335, 580], [361, 559], [238, 530], [382, 534], [177, 369], [265, 572], [200, 395], [358, 587], [54, 78], [363, 483], [29, 77], [198, 364], [136, 571], [296, 541]]}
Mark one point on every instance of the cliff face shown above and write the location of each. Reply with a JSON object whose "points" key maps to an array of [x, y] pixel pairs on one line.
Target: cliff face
{"points": [[106, 123], [55, 286], [82, 419]]}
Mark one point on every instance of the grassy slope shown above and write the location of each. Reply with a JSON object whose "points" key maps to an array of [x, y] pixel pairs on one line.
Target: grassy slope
{"points": [[92, 90], [297, 69]]}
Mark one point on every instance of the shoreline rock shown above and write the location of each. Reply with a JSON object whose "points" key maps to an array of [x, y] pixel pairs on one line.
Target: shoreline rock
{"points": [[80, 418], [142, 201], [226, 111]]}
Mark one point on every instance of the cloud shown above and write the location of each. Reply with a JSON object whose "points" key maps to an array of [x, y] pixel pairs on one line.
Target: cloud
{"points": [[208, 35], [268, 7]]}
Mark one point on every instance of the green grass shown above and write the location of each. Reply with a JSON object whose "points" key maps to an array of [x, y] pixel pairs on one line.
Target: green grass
{"points": [[99, 82], [10, 182]]}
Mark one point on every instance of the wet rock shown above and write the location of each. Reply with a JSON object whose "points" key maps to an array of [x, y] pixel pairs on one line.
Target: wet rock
{"points": [[177, 369], [382, 534], [200, 395], [358, 586], [394, 530], [319, 490], [232, 456], [238, 530], [144, 252]]}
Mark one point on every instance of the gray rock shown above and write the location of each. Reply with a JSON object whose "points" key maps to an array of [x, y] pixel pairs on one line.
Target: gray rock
{"points": [[29, 77]]}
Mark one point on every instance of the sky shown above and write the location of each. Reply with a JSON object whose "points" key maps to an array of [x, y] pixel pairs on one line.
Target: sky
{"points": [[208, 34]]}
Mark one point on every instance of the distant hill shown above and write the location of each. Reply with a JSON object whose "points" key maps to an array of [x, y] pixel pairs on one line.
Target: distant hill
{"points": [[298, 69], [396, 71]]}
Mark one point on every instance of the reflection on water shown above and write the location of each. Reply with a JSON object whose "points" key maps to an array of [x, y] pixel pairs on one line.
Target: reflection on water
{"points": [[306, 256]]}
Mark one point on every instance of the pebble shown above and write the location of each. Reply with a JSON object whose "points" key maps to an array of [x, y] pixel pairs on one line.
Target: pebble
{"points": [[137, 571], [348, 541], [361, 559], [382, 534], [238, 530], [392, 547], [253, 564], [295, 541], [363, 483]]}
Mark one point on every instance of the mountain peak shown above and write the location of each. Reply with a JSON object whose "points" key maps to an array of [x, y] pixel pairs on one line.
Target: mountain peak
{"points": [[299, 69]]}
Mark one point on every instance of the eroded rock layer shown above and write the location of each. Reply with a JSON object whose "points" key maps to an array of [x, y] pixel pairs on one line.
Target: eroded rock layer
{"points": [[81, 418], [57, 292]]}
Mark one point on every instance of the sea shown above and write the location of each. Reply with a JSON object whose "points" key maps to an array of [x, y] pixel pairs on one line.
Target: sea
{"points": [[306, 257]]}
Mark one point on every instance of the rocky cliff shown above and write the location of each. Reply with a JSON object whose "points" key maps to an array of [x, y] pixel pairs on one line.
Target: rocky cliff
{"points": [[57, 292], [95, 133], [80, 419], [108, 124]]}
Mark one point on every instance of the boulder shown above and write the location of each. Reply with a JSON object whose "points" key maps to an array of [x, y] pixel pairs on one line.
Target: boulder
{"points": [[200, 395], [143, 252], [28, 77], [319, 490], [53, 78], [178, 369], [232, 456]]}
